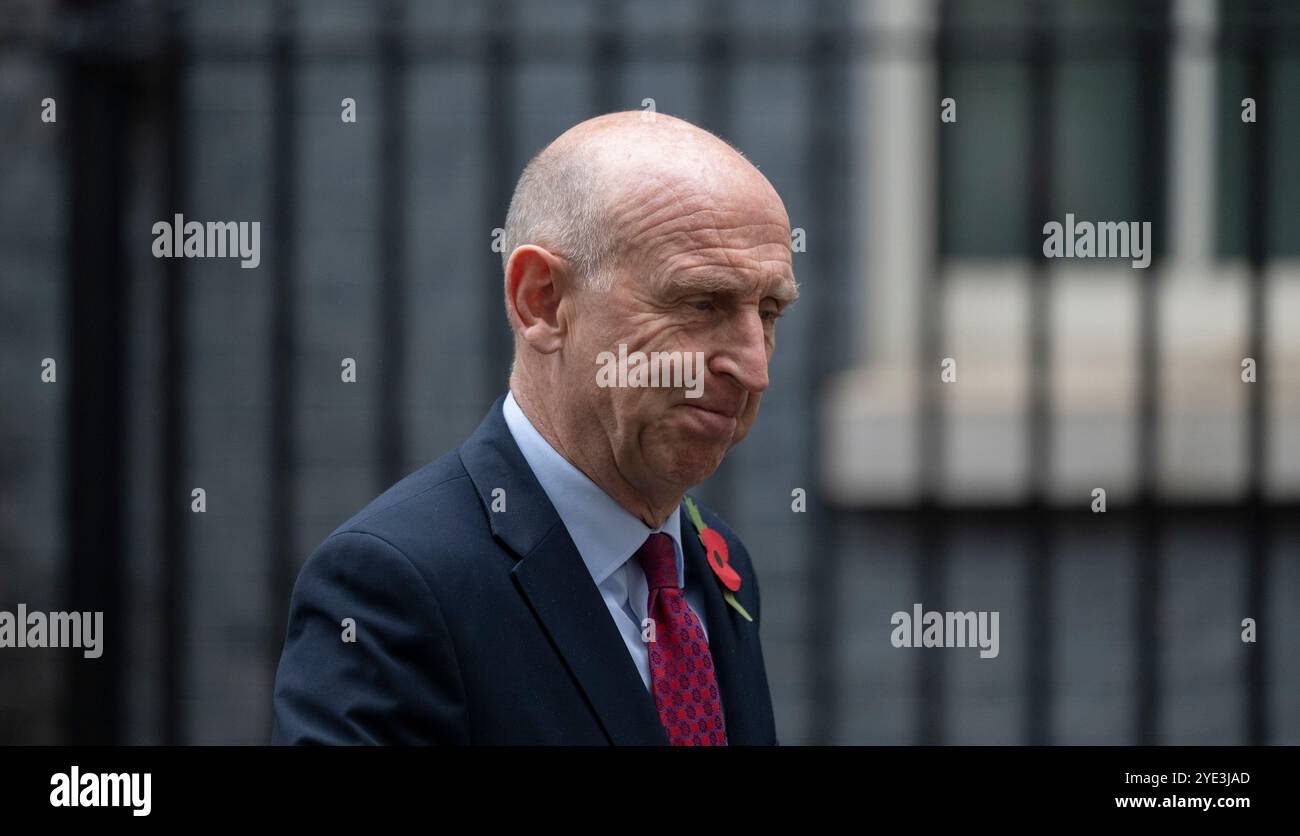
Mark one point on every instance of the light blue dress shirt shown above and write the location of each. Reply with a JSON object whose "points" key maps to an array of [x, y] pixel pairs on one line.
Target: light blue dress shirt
{"points": [[606, 535]]}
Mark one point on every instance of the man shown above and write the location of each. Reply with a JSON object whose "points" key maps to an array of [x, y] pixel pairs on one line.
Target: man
{"points": [[547, 582]]}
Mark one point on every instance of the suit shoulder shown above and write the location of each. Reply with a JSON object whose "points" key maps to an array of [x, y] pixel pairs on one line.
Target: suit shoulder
{"points": [[434, 510], [427, 484]]}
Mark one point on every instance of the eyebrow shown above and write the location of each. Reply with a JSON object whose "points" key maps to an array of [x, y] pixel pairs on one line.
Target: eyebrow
{"points": [[785, 290]]}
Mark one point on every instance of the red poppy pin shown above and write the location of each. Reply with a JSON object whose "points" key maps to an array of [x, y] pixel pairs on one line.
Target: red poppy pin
{"points": [[715, 549]]}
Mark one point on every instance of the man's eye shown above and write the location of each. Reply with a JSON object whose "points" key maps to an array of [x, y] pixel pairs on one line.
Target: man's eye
{"points": [[770, 316], [702, 305]]}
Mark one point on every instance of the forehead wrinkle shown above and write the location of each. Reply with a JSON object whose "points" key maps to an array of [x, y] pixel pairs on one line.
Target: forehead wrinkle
{"points": [[725, 259], [779, 285], [709, 237], [659, 197], [669, 215], [666, 201]]}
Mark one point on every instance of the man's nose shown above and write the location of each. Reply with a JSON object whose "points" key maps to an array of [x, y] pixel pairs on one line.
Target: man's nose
{"points": [[743, 353]]}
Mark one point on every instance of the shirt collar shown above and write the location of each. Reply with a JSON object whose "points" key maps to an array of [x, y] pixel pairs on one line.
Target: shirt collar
{"points": [[605, 533]]}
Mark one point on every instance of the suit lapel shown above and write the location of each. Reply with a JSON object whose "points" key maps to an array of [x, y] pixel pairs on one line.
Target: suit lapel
{"points": [[553, 578], [560, 589], [734, 673]]}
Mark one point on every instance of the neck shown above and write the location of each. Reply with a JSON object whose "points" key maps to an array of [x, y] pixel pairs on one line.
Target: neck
{"points": [[598, 465]]}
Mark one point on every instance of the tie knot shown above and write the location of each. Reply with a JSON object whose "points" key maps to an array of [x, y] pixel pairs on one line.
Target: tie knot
{"points": [[658, 559]]}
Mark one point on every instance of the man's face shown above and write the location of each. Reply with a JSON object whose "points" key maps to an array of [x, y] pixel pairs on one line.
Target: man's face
{"points": [[703, 270]]}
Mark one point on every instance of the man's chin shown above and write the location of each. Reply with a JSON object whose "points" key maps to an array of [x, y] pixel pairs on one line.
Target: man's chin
{"points": [[691, 462]]}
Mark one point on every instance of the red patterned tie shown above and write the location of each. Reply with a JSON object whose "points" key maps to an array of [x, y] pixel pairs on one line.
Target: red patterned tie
{"points": [[681, 669]]}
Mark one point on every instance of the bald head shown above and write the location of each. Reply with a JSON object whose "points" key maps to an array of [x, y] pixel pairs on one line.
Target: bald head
{"points": [[640, 235], [577, 196]]}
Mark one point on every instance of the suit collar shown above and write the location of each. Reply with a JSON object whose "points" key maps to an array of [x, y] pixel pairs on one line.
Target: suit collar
{"points": [[499, 473]]}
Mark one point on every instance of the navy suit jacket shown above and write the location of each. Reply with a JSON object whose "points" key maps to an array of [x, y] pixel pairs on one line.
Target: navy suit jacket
{"points": [[475, 627]]}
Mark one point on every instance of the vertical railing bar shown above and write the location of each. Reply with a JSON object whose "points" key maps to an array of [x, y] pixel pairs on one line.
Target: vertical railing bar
{"points": [[172, 501], [933, 538], [499, 126], [391, 232], [824, 159], [1038, 603], [1259, 145], [1152, 63], [282, 377], [608, 56], [95, 484]]}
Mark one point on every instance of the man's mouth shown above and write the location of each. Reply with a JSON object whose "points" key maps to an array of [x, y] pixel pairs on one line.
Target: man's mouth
{"points": [[712, 420]]}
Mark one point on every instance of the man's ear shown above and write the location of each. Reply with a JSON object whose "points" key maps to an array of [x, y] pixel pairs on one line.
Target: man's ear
{"points": [[536, 282]]}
